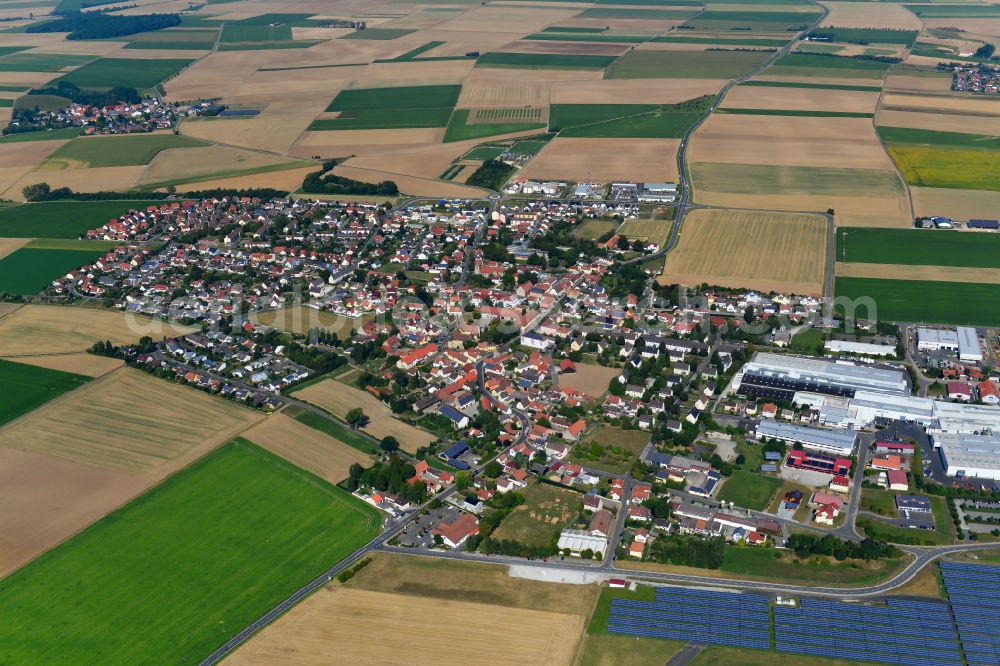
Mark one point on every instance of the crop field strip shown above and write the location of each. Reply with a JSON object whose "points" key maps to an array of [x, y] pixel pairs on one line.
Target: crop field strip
{"points": [[934, 302], [813, 86], [27, 271], [391, 108], [919, 247], [204, 571], [63, 219], [686, 64], [110, 72], [945, 159], [867, 35], [794, 112], [461, 126], [113, 151], [626, 120], [543, 61]]}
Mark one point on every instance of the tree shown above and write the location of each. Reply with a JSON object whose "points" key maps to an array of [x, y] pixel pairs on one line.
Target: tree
{"points": [[463, 480], [389, 444], [493, 469], [36, 192], [356, 418]]}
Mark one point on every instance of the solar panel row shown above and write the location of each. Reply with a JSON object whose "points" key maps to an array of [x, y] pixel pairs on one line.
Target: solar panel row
{"points": [[974, 593]]}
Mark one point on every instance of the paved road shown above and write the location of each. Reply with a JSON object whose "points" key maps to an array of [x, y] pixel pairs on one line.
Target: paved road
{"points": [[686, 655]]}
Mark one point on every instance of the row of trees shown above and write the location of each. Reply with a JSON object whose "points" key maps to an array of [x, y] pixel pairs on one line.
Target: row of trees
{"points": [[45, 192], [867, 549]]}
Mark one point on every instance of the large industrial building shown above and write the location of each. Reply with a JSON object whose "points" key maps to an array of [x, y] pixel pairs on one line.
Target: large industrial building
{"points": [[964, 340], [780, 377], [837, 442], [970, 456]]}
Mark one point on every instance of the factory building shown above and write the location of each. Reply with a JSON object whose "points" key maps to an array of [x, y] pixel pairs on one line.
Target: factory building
{"points": [[779, 377], [969, 456], [968, 345], [937, 339], [836, 442]]}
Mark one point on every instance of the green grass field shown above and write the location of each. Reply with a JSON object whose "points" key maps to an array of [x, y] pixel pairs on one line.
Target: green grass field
{"points": [[111, 72], [942, 534], [62, 219], [43, 102], [642, 14], [715, 19], [384, 119], [830, 62], [108, 151], [918, 247], [341, 433], [41, 62], [795, 112], [720, 41], [27, 387], [868, 35], [403, 97], [905, 135], [749, 490], [955, 11], [234, 32], [547, 509], [175, 573], [43, 135], [621, 120], [528, 147], [755, 178], [814, 86], [587, 37], [543, 61], [483, 153], [459, 128], [924, 301], [686, 64], [28, 271], [769, 563]]}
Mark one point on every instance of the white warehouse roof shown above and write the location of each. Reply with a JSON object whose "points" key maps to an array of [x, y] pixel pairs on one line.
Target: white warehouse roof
{"points": [[578, 541], [974, 455], [847, 374], [840, 442]]}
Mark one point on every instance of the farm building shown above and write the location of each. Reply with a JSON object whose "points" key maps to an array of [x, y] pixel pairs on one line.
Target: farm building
{"points": [[988, 225]]}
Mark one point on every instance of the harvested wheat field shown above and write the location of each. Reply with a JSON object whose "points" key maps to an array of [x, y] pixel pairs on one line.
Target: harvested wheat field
{"points": [[306, 447], [605, 160], [411, 184], [633, 91], [566, 48], [414, 73], [589, 378], [983, 106], [800, 99], [891, 210], [499, 18], [46, 500], [348, 625], [7, 308], [958, 204], [53, 329], [843, 143], [17, 159], [79, 364], [902, 82], [96, 179], [940, 122], [510, 76], [300, 319], [904, 272], [376, 137], [338, 399], [782, 252], [870, 15], [129, 421], [286, 179], [185, 163], [275, 130], [500, 95], [8, 245]]}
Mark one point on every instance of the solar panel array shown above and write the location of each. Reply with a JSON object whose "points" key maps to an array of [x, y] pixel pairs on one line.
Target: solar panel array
{"points": [[974, 592], [717, 618], [912, 633]]}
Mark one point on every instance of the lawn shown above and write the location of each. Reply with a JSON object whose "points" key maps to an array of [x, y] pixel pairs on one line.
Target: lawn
{"points": [[877, 501], [612, 650], [546, 510], [175, 573], [809, 341], [621, 120], [610, 449], [923, 300], [918, 247], [942, 534], [749, 490], [342, 433], [111, 72], [529, 147], [543, 61], [28, 271], [459, 128], [26, 387], [686, 64], [109, 151], [63, 219], [723, 656], [594, 228]]}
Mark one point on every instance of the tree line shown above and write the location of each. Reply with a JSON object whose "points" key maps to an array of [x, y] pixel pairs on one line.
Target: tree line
{"points": [[325, 182], [99, 25]]}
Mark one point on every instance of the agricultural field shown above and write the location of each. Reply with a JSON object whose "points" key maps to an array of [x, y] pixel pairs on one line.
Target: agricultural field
{"points": [[306, 447], [62, 219], [546, 510], [88, 365], [945, 159], [398, 599], [26, 387], [28, 270], [391, 108], [650, 230], [215, 571], [918, 247], [626, 120], [127, 421], [782, 252], [114, 151], [654, 64], [52, 329], [606, 160], [111, 72], [544, 61], [338, 399], [589, 378], [465, 125], [921, 300], [751, 20], [820, 66]]}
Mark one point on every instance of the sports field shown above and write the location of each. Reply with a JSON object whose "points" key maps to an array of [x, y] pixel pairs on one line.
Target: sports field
{"points": [[175, 573], [782, 252], [51, 329], [28, 271], [26, 387], [113, 151], [62, 219], [338, 398], [923, 301], [129, 421], [918, 247], [110, 72]]}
